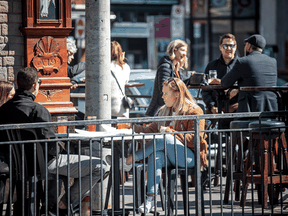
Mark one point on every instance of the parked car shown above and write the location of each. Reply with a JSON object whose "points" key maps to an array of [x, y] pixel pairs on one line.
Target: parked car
{"points": [[147, 77], [141, 95]]}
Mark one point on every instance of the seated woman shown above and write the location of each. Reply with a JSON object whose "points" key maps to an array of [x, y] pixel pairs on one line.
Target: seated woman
{"points": [[7, 91], [178, 101]]}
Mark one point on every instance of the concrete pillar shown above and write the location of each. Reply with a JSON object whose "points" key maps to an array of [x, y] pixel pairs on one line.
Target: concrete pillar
{"points": [[98, 58], [268, 21]]}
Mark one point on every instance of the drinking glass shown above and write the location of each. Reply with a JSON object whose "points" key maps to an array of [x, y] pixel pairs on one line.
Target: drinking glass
{"points": [[212, 74]]}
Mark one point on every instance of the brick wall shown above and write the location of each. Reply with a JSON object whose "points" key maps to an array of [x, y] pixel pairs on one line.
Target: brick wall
{"points": [[11, 39]]}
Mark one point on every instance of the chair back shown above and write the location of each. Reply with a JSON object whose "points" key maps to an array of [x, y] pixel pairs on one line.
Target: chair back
{"points": [[27, 134]]}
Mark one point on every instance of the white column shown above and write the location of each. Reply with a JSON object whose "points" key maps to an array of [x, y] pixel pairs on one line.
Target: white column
{"points": [[268, 21]]}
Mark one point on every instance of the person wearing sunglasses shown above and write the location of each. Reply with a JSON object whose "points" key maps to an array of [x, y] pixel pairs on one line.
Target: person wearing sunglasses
{"points": [[169, 65], [178, 102], [254, 69], [223, 64]]}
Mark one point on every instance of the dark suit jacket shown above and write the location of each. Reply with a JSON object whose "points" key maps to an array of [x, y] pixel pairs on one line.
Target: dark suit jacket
{"points": [[256, 69], [165, 70]]}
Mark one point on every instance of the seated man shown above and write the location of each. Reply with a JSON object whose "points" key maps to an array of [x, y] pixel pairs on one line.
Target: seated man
{"points": [[22, 109], [254, 69], [223, 64]]}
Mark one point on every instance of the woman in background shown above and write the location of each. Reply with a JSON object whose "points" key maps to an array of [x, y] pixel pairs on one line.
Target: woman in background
{"points": [[168, 66], [178, 102], [7, 91], [121, 70]]}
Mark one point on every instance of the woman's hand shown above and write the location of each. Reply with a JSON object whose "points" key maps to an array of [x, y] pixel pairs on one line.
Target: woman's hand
{"points": [[162, 129]]}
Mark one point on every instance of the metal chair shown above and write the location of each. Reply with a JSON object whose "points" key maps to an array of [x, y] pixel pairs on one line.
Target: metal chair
{"points": [[23, 174], [185, 194]]}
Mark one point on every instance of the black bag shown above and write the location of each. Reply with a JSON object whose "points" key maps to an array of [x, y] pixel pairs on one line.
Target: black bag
{"points": [[197, 79], [126, 101]]}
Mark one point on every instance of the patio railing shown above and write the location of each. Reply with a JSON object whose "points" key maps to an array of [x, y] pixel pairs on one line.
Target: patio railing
{"points": [[212, 179]]}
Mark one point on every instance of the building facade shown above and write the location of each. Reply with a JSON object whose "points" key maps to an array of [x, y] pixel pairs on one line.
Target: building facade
{"points": [[144, 28]]}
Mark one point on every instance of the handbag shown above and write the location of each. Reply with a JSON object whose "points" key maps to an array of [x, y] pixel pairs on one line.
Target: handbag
{"points": [[126, 101], [197, 79]]}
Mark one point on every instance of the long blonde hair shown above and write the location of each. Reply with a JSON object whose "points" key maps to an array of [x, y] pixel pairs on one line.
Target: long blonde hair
{"points": [[175, 45], [117, 53], [185, 100]]}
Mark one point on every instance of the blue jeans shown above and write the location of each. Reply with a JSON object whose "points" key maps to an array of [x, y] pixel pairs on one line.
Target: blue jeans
{"points": [[160, 159]]}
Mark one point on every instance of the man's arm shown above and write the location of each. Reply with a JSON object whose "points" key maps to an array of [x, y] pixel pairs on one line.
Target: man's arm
{"points": [[235, 74], [76, 69]]}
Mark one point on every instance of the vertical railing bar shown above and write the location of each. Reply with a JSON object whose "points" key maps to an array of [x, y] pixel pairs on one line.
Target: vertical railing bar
{"points": [[145, 195], [271, 168], [123, 177], [23, 178], [134, 172], [197, 167], [90, 177], [57, 178], [46, 178], [231, 172], [154, 161], [68, 178], [280, 167], [186, 174], [176, 175], [101, 174], [262, 167], [34, 178], [221, 171], [210, 172], [10, 180], [251, 157], [242, 165], [166, 174], [79, 175], [113, 173]]}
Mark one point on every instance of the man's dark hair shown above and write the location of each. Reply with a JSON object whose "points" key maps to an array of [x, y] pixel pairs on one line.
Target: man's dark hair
{"points": [[230, 36], [26, 77]]}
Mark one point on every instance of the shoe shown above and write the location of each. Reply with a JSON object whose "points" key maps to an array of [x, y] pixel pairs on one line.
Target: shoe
{"points": [[127, 167], [149, 205]]}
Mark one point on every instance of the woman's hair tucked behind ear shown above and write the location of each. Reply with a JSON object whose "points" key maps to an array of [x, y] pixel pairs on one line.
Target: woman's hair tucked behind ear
{"points": [[175, 45], [185, 100]]}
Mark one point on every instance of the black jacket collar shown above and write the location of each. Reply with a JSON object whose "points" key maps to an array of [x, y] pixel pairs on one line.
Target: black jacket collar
{"points": [[25, 93]]}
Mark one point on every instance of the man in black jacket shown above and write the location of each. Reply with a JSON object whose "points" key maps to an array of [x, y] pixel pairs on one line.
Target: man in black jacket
{"points": [[254, 69], [22, 109], [228, 47]]}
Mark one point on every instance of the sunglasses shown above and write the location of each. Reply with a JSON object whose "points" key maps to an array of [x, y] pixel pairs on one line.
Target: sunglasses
{"points": [[172, 79], [40, 82], [225, 46]]}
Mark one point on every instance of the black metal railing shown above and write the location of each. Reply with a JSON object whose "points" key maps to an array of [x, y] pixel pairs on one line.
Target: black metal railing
{"points": [[127, 196]]}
